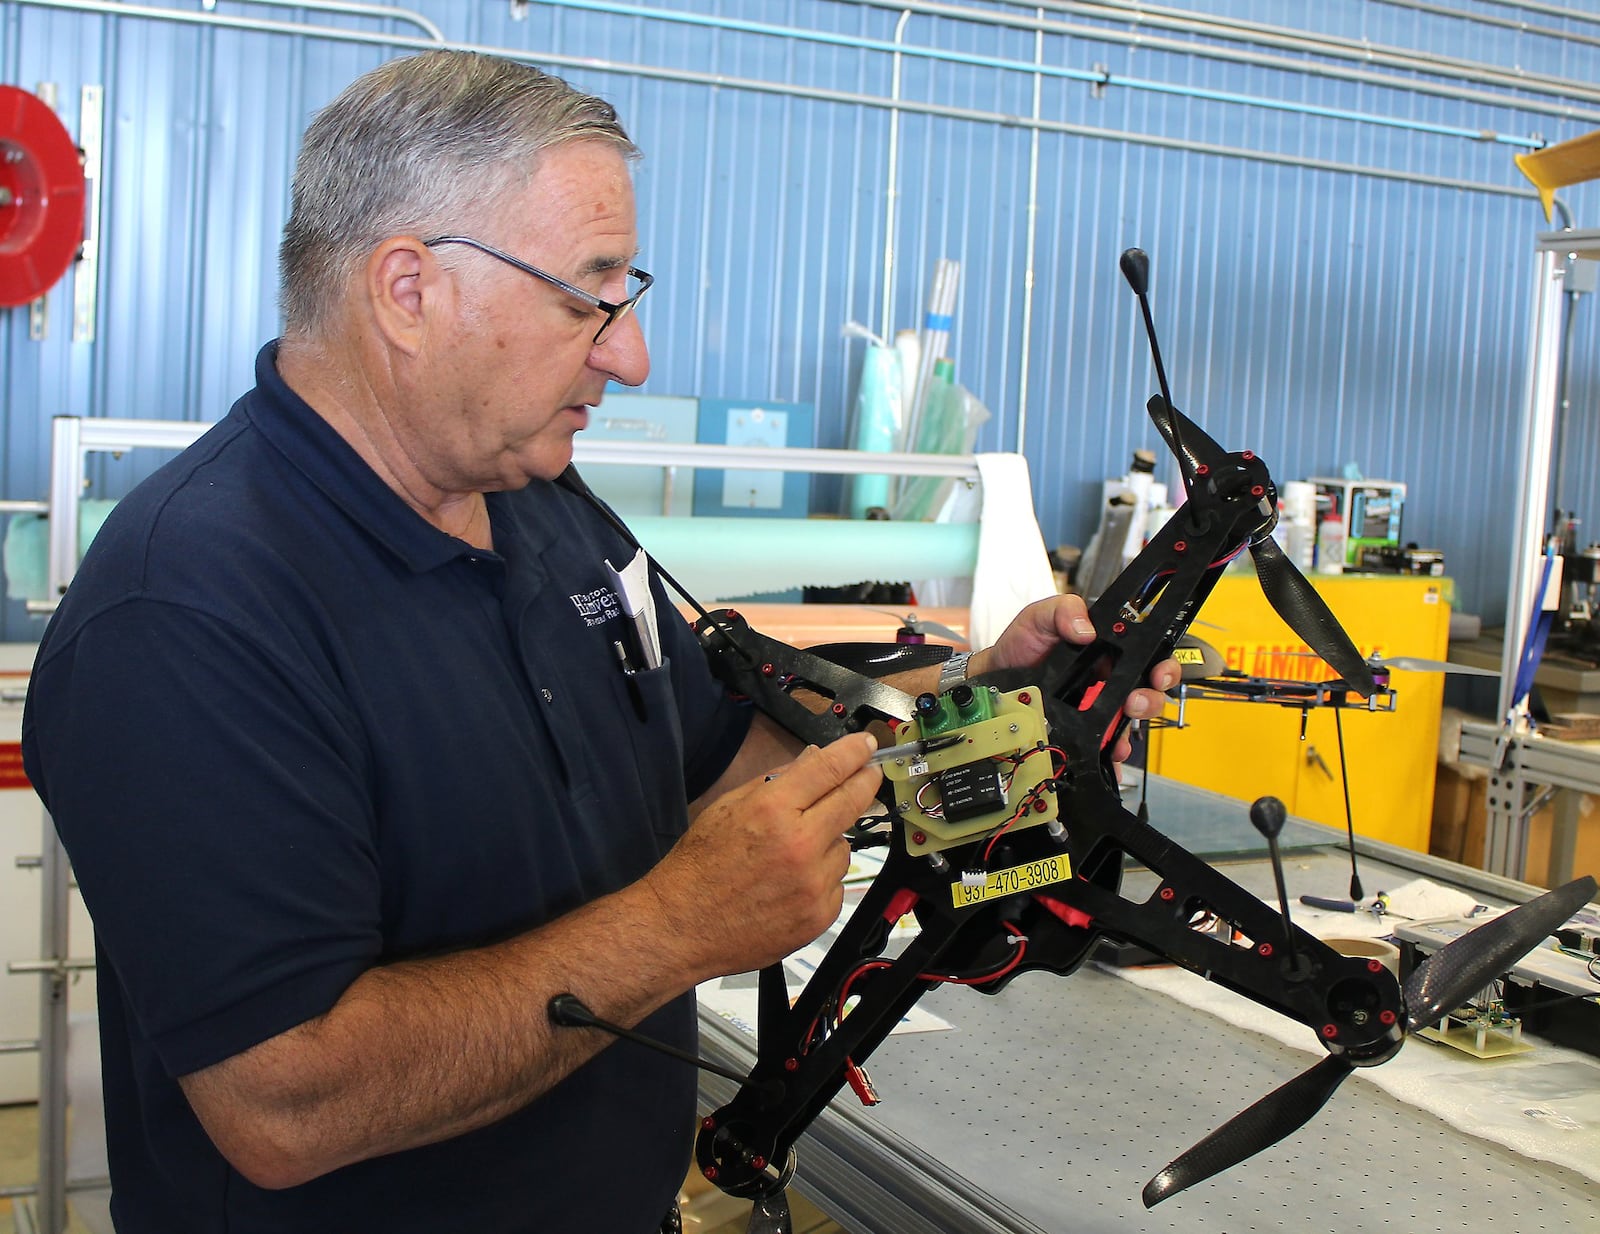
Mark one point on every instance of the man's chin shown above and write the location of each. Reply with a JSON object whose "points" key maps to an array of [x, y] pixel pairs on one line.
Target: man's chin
{"points": [[549, 461]]}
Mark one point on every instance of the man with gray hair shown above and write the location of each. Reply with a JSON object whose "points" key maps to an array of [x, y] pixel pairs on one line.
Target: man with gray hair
{"points": [[332, 727]]}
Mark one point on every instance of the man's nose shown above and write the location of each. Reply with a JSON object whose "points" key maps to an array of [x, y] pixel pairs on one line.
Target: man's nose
{"points": [[622, 353]]}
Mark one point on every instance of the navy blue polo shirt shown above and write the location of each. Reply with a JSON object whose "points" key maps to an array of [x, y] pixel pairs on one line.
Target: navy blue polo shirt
{"points": [[289, 731]]}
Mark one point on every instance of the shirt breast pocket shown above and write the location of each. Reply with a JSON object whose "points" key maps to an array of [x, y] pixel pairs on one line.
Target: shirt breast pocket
{"points": [[652, 765]]}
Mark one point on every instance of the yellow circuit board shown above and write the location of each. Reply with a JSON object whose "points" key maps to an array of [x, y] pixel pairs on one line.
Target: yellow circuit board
{"points": [[1013, 738]]}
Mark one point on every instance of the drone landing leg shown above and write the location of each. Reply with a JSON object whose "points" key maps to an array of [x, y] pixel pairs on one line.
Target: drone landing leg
{"points": [[807, 1052]]}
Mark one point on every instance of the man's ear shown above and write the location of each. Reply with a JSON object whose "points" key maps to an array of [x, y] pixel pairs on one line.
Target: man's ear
{"points": [[403, 284]]}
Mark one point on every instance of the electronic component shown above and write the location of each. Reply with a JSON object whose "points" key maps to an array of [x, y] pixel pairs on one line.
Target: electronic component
{"points": [[963, 705], [987, 758], [970, 790], [1392, 559], [1482, 1028]]}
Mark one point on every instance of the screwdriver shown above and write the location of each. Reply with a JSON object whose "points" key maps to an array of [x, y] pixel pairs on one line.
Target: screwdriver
{"points": [[913, 749], [1378, 908]]}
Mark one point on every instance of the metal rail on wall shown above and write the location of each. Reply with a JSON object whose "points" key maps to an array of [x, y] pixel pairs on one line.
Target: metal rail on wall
{"points": [[73, 438]]}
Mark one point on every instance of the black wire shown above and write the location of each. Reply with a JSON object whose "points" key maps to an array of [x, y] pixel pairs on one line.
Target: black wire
{"points": [[868, 832], [1519, 1008], [1349, 824], [574, 483]]}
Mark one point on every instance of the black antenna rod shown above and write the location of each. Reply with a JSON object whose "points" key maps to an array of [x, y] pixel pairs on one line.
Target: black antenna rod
{"points": [[1135, 265], [569, 1011], [1268, 815]]}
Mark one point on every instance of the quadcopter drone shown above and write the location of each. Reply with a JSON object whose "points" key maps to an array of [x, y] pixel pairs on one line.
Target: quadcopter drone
{"points": [[1206, 676], [1006, 841]]}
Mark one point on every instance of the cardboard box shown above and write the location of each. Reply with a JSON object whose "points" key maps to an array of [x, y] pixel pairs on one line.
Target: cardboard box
{"points": [[1459, 816], [1586, 855], [1371, 510], [1461, 826]]}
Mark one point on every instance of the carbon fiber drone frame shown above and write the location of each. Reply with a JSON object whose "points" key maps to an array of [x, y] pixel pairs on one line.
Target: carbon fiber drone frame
{"points": [[807, 1052]]}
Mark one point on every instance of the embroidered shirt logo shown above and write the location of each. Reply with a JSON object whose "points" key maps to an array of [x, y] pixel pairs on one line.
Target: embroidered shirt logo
{"points": [[598, 606]]}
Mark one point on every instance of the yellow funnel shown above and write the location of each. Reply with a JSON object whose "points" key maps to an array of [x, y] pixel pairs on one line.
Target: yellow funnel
{"points": [[1567, 162]]}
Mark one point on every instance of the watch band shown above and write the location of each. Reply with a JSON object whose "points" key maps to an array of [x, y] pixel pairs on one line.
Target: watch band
{"points": [[953, 671]]}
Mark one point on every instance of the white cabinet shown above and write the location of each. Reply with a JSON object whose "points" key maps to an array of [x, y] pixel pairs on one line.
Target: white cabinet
{"points": [[22, 836]]}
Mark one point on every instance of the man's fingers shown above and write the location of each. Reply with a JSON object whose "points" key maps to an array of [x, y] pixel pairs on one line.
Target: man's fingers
{"points": [[1144, 703], [1166, 675], [1072, 620], [849, 800], [822, 770]]}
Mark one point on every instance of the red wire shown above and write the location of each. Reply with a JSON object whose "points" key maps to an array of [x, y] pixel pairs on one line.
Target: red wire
{"points": [[1006, 826], [844, 990], [942, 978], [1028, 800], [949, 979], [1016, 959]]}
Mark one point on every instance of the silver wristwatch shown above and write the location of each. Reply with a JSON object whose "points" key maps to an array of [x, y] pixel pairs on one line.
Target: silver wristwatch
{"points": [[953, 671]]}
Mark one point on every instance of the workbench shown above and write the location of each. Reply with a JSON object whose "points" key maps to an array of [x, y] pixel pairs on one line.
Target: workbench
{"points": [[1527, 771], [1051, 1104]]}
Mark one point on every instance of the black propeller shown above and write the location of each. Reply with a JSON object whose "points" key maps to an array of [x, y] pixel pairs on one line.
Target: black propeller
{"points": [[1286, 589], [1438, 985], [1298, 603], [881, 659], [1190, 444]]}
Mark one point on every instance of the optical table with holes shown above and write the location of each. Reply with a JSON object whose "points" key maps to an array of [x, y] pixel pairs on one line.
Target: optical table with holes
{"points": [[1048, 1106]]}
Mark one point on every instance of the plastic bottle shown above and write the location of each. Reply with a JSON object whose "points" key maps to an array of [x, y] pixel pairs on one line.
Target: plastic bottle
{"points": [[1330, 545], [1280, 529], [1300, 545], [1300, 509]]}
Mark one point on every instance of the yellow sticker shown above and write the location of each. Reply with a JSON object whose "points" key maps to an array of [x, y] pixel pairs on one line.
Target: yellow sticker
{"points": [[1017, 879]]}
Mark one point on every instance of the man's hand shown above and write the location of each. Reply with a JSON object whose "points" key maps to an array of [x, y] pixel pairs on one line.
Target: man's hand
{"points": [[1036, 631], [760, 871]]}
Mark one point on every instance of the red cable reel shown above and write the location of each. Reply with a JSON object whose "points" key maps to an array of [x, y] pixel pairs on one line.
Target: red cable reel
{"points": [[42, 195]]}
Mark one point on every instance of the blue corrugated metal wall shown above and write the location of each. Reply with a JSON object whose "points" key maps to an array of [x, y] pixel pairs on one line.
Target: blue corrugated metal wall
{"points": [[1330, 289]]}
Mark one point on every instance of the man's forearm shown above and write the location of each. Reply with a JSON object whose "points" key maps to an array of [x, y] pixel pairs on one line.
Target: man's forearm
{"points": [[424, 1050]]}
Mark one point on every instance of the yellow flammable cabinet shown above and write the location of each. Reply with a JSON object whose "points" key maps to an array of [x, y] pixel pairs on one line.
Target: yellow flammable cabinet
{"points": [[1248, 749]]}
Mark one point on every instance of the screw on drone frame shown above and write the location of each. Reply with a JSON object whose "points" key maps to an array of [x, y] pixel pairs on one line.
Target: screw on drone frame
{"points": [[1135, 265]]}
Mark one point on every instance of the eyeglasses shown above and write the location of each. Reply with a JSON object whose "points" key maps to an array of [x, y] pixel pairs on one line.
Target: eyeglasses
{"points": [[614, 312]]}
